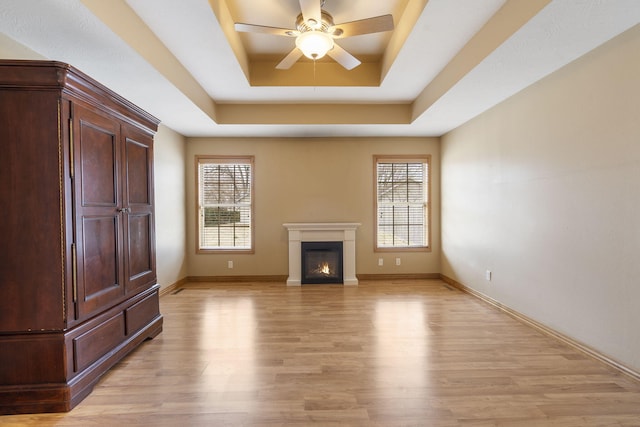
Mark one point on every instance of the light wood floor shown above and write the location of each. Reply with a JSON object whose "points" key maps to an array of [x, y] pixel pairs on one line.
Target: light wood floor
{"points": [[406, 353]]}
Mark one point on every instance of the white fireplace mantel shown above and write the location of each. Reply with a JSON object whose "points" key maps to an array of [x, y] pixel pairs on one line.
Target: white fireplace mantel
{"points": [[344, 232]]}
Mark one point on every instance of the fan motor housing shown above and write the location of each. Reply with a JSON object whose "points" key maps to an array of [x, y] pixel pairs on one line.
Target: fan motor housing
{"points": [[326, 22]]}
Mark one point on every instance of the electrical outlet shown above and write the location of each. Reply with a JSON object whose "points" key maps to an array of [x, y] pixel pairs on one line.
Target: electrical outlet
{"points": [[380, 262], [487, 275], [397, 261], [230, 264]]}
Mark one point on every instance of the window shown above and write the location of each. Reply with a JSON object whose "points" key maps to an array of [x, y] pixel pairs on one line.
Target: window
{"points": [[225, 203], [402, 202]]}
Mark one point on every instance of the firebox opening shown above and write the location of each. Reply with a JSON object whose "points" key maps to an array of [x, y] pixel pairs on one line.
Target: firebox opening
{"points": [[321, 262]]}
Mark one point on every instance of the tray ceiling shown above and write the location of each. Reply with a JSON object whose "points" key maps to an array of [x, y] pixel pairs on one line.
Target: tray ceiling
{"points": [[445, 62]]}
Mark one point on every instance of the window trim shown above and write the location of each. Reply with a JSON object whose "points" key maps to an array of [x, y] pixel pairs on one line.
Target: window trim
{"points": [[199, 159], [401, 158]]}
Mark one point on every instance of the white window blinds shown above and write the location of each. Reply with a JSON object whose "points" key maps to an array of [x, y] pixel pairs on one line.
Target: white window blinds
{"points": [[225, 214], [402, 203]]}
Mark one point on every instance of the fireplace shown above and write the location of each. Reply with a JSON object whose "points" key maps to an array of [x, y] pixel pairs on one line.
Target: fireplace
{"points": [[342, 232], [321, 262]]}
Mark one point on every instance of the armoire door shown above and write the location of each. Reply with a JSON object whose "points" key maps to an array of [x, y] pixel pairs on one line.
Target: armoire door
{"points": [[98, 211], [139, 228]]}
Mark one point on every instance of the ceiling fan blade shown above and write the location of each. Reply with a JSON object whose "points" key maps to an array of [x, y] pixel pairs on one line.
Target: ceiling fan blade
{"points": [[343, 57], [311, 11], [250, 28], [290, 59], [376, 24]]}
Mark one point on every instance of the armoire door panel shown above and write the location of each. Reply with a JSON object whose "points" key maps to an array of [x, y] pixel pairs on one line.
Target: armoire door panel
{"points": [[99, 162], [140, 254], [137, 169], [99, 222], [101, 284]]}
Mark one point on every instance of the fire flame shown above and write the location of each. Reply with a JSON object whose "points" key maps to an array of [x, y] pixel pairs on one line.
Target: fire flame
{"points": [[324, 268]]}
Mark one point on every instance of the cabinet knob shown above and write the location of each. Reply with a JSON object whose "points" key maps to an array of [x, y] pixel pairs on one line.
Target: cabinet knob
{"points": [[124, 210]]}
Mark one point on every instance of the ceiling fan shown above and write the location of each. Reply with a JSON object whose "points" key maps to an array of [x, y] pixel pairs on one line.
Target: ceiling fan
{"points": [[315, 33]]}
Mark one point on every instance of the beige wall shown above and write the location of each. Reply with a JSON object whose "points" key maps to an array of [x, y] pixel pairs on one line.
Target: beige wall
{"points": [[10, 49], [169, 173], [311, 180], [544, 190]]}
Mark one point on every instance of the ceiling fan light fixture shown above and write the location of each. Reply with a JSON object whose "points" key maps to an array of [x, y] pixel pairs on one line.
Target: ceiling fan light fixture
{"points": [[315, 33], [314, 44]]}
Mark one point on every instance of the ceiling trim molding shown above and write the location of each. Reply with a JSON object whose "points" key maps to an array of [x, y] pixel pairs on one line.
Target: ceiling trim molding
{"points": [[222, 13], [310, 114], [403, 26], [502, 25], [124, 22]]}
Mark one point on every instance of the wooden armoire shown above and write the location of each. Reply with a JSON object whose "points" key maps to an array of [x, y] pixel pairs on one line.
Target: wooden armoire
{"points": [[78, 284]]}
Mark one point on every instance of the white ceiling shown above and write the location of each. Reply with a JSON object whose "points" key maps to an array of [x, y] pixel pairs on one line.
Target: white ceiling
{"points": [[213, 77]]}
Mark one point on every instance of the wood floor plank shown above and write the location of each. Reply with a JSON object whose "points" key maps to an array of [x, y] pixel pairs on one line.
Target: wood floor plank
{"points": [[394, 353]]}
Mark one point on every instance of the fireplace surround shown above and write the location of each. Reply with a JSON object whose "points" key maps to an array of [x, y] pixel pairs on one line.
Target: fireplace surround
{"points": [[344, 232]]}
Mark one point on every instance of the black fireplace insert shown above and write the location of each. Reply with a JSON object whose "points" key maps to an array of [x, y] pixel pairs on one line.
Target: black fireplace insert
{"points": [[321, 262]]}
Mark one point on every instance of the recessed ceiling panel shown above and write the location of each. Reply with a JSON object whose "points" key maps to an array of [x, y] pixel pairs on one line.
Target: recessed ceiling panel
{"points": [[283, 14]]}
